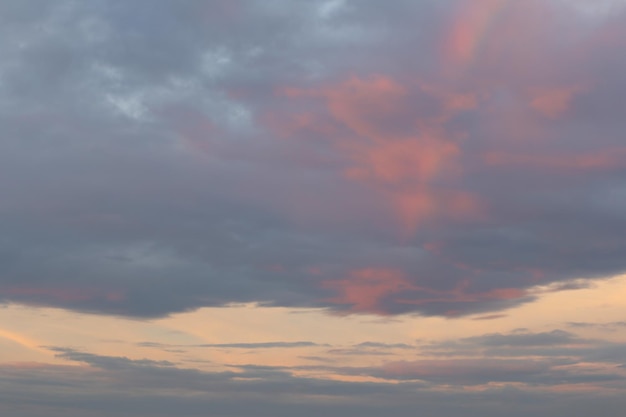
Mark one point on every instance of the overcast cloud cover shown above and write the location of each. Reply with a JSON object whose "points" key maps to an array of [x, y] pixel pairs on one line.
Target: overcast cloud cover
{"points": [[402, 158]]}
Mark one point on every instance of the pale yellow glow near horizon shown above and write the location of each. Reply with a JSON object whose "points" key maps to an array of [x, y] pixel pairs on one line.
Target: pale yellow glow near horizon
{"points": [[30, 328], [20, 348]]}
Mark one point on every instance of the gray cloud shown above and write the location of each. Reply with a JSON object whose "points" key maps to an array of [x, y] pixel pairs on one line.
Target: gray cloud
{"points": [[611, 326], [106, 362], [559, 346], [554, 337], [115, 386], [150, 164]]}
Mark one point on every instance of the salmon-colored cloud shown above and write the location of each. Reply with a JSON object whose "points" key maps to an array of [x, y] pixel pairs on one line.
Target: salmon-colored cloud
{"points": [[367, 290], [394, 137], [593, 161], [414, 208], [417, 159], [469, 26], [553, 102], [364, 289]]}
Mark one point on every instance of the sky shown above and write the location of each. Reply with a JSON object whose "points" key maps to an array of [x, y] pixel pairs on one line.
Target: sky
{"points": [[357, 208]]}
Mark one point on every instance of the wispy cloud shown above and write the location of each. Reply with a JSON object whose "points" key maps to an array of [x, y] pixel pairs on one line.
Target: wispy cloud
{"points": [[263, 345]]}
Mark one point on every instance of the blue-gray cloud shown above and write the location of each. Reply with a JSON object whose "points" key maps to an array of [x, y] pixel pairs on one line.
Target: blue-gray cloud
{"points": [[119, 386], [160, 156]]}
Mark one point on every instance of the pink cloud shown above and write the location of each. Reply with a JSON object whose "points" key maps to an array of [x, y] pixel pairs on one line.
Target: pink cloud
{"points": [[468, 30], [396, 150], [595, 161], [364, 289], [553, 102]]}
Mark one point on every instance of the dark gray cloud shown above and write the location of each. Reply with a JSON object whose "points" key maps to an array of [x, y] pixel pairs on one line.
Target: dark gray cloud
{"points": [[554, 337], [468, 372], [160, 156], [116, 386], [559, 346]]}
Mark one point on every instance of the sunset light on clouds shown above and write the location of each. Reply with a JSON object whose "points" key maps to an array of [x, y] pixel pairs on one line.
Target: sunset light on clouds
{"points": [[280, 208]]}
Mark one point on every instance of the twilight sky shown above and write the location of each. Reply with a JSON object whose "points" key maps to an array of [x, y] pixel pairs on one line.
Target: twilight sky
{"points": [[235, 208]]}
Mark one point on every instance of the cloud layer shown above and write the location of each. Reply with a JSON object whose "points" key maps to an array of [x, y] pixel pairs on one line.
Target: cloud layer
{"points": [[552, 373], [432, 157]]}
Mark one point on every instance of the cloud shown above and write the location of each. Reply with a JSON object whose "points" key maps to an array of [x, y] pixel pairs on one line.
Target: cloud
{"points": [[555, 337], [557, 346], [490, 317], [122, 386], [433, 158], [262, 345], [465, 372], [602, 326], [106, 362], [383, 345]]}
